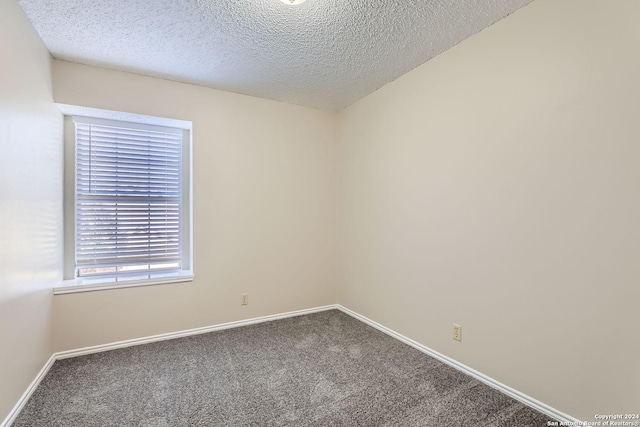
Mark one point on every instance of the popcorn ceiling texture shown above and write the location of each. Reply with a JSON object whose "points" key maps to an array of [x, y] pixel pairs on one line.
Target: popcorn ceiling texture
{"points": [[323, 53]]}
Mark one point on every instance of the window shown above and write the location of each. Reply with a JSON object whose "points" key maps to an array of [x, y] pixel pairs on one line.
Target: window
{"points": [[131, 205]]}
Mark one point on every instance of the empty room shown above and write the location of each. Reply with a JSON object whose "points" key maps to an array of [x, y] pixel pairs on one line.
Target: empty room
{"points": [[319, 213]]}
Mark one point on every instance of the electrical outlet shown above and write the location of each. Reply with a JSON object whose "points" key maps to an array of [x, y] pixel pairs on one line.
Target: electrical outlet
{"points": [[457, 332], [244, 299]]}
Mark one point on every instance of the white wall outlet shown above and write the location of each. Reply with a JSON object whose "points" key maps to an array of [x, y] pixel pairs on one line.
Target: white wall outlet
{"points": [[244, 299], [457, 332]]}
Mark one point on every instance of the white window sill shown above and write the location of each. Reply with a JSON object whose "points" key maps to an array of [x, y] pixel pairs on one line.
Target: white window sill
{"points": [[92, 284]]}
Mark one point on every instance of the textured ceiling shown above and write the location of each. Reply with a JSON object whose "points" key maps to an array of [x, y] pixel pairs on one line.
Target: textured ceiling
{"points": [[323, 53]]}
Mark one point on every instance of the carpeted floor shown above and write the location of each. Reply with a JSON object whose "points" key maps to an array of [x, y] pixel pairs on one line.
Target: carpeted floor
{"points": [[323, 369]]}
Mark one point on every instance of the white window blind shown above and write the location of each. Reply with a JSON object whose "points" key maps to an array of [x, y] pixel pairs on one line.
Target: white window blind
{"points": [[128, 198]]}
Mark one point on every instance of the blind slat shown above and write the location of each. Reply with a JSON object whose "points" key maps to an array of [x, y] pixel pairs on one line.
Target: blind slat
{"points": [[128, 197]]}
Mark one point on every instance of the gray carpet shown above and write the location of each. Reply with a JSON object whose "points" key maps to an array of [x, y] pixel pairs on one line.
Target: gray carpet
{"points": [[323, 369]]}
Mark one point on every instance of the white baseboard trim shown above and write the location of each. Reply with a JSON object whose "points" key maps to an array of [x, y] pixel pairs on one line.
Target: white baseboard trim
{"points": [[186, 333], [28, 392], [515, 394], [145, 340]]}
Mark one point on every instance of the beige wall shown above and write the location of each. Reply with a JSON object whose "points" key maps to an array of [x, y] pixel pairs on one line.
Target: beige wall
{"points": [[30, 204], [264, 210], [497, 187]]}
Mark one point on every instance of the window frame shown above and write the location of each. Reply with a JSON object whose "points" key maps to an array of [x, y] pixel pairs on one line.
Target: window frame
{"points": [[71, 283]]}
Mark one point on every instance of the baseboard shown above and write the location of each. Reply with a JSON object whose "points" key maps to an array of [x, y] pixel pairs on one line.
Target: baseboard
{"points": [[145, 340], [186, 333], [27, 394], [515, 394]]}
